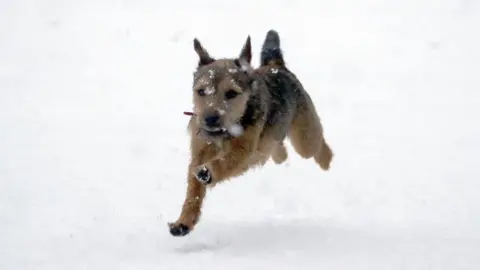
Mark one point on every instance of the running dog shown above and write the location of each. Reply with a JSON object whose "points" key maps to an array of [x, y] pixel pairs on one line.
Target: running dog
{"points": [[241, 118]]}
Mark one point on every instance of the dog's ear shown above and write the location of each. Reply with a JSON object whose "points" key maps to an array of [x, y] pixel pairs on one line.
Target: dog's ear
{"points": [[248, 69], [204, 57], [245, 66], [246, 52], [245, 58]]}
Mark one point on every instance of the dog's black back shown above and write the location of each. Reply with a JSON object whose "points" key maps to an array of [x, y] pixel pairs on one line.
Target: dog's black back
{"points": [[284, 90]]}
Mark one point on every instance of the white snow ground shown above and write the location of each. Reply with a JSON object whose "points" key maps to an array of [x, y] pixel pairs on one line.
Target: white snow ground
{"points": [[93, 142]]}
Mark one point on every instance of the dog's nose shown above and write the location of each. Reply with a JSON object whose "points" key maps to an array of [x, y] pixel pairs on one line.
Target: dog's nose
{"points": [[212, 120]]}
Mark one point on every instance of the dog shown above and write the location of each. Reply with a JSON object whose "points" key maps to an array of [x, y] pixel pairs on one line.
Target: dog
{"points": [[241, 119]]}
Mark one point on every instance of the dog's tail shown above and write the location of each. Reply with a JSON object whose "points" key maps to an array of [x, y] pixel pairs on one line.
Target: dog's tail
{"points": [[271, 51]]}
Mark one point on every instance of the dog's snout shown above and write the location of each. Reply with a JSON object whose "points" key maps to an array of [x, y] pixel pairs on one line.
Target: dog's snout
{"points": [[212, 120]]}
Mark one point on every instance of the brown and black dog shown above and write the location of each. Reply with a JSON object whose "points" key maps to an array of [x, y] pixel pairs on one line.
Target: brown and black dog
{"points": [[241, 118]]}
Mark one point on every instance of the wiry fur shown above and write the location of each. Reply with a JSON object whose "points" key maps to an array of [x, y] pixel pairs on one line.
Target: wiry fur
{"points": [[270, 105]]}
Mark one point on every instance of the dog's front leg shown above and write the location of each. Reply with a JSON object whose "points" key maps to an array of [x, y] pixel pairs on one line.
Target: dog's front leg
{"points": [[196, 190], [234, 162], [192, 206]]}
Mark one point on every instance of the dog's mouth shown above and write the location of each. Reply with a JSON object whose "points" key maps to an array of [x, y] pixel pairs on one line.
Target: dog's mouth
{"points": [[214, 131]]}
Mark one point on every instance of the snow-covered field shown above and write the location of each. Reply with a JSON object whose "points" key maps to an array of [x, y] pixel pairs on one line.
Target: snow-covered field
{"points": [[94, 148]]}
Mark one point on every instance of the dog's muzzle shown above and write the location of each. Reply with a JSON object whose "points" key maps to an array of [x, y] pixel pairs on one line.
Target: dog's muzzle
{"points": [[212, 126]]}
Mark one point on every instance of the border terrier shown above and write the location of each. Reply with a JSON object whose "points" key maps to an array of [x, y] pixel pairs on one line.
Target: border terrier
{"points": [[241, 118]]}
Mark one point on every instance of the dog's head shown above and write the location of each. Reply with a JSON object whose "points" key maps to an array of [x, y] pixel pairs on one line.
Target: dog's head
{"points": [[221, 90]]}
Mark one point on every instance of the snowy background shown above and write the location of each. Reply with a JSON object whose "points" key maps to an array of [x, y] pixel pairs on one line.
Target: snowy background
{"points": [[94, 148]]}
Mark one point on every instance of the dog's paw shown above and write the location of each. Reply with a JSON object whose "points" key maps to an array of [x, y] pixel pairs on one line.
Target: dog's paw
{"points": [[203, 175], [178, 229]]}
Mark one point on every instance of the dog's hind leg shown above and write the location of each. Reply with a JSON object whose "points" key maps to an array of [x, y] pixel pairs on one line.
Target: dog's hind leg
{"points": [[306, 134], [324, 155], [279, 154]]}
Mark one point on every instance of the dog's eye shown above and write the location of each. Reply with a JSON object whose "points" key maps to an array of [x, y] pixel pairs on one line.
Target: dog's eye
{"points": [[201, 92], [231, 94]]}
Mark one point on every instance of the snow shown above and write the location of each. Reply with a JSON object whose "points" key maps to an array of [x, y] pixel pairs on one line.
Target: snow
{"points": [[94, 147], [209, 91], [235, 130]]}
